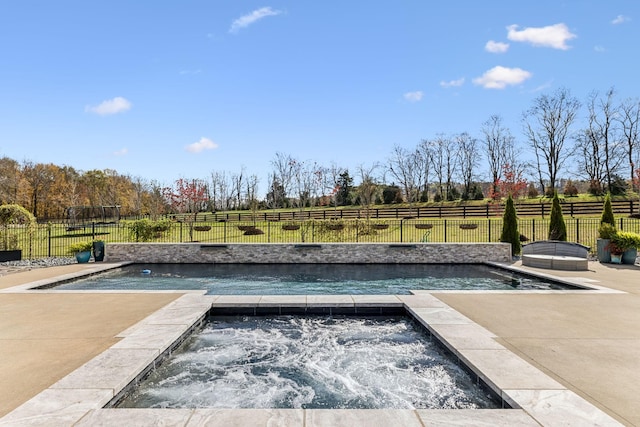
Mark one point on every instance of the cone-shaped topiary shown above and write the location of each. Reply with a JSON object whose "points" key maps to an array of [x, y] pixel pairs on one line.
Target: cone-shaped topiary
{"points": [[607, 211], [510, 233], [557, 227]]}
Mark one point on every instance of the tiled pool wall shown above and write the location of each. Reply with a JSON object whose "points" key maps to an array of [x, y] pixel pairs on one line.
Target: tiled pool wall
{"points": [[348, 253]]}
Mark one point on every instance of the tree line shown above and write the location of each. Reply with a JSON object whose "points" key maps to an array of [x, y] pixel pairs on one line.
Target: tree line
{"points": [[603, 154]]}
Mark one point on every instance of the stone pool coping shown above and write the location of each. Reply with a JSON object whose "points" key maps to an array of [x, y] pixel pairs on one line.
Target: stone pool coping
{"points": [[79, 398]]}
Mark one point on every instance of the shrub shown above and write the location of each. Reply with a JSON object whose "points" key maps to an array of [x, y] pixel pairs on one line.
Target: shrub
{"points": [[557, 226], [510, 232], [625, 240], [74, 248], [607, 212], [14, 214], [532, 191], [606, 230], [570, 190], [618, 186], [144, 230]]}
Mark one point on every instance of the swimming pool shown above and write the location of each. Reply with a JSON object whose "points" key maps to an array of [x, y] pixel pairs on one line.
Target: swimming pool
{"points": [[310, 279], [310, 362]]}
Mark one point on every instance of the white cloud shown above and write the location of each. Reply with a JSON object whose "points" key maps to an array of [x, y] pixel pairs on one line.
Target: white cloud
{"points": [[110, 106], [554, 36], [452, 83], [599, 49], [501, 77], [620, 19], [496, 47], [413, 96], [201, 145], [250, 18], [121, 152]]}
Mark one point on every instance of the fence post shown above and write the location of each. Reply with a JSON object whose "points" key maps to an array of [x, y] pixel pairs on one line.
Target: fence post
{"points": [[621, 224], [445, 231], [489, 237], [49, 240], [571, 206], [578, 230], [180, 231], [268, 231], [401, 223], [93, 230], [533, 229]]}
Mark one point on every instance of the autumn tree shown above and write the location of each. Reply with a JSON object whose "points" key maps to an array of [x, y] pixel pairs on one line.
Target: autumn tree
{"points": [[39, 177], [10, 175]]}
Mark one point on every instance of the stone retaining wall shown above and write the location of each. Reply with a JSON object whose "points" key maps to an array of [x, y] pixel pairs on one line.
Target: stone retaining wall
{"points": [[274, 253]]}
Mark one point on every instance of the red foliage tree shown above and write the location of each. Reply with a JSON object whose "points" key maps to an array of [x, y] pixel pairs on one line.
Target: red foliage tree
{"points": [[511, 182], [187, 196]]}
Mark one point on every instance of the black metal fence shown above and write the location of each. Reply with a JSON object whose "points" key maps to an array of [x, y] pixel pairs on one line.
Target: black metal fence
{"points": [[52, 240]]}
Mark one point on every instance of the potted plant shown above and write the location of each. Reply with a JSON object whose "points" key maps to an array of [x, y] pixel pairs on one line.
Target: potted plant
{"points": [[605, 232], [11, 216], [625, 244], [81, 250], [615, 252], [98, 250]]}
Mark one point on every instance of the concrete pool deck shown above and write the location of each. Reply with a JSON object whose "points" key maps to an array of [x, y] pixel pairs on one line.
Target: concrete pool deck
{"points": [[589, 343]]}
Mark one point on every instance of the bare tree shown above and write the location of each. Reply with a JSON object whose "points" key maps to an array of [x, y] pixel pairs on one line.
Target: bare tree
{"points": [[251, 195], [546, 125], [444, 161], [590, 158], [237, 184], [602, 123], [629, 118], [424, 160], [404, 167], [284, 172], [498, 143], [368, 187], [468, 157]]}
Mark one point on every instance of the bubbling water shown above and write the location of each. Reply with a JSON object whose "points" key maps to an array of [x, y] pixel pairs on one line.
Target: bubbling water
{"points": [[309, 362]]}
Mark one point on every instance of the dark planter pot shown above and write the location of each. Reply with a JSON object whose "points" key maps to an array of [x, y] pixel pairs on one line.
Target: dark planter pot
{"points": [[604, 254], [83, 257], [98, 251], [15, 255], [629, 256]]}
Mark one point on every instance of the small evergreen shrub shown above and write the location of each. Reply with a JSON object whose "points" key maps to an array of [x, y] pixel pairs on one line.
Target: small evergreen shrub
{"points": [[607, 212], [532, 191], [557, 226], [510, 232]]}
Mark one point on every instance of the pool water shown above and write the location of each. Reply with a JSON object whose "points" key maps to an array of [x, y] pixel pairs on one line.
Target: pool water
{"points": [[292, 279], [310, 362]]}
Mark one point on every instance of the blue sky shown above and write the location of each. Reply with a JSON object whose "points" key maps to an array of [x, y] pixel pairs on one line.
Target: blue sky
{"points": [[167, 89]]}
